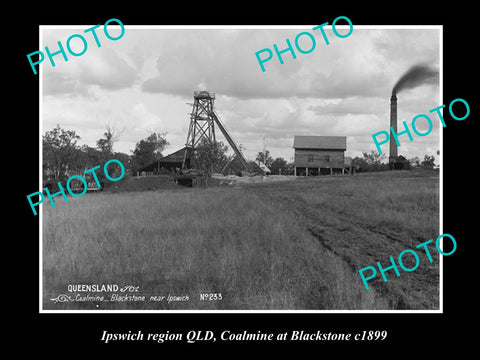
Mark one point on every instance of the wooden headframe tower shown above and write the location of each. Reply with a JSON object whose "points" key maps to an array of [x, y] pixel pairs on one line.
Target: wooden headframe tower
{"points": [[202, 125]]}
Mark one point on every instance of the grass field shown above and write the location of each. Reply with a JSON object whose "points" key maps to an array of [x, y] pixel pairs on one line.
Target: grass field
{"points": [[293, 245]]}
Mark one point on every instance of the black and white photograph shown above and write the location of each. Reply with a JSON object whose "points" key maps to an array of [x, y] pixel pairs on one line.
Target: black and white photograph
{"points": [[213, 176], [186, 171]]}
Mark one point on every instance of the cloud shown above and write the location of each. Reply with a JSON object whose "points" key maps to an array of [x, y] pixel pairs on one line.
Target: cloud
{"points": [[105, 68], [407, 46], [143, 81], [227, 65], [61, 83], [352, 105]]}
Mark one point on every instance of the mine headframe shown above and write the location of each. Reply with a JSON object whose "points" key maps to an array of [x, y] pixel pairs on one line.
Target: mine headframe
{"points": [[203, 120]]}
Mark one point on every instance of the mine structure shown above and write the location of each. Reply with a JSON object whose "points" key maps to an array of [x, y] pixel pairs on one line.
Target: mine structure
{"points": [[203, 120]]}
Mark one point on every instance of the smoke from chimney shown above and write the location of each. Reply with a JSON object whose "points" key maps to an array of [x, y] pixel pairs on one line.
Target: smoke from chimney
{"points": [[415, 76]]}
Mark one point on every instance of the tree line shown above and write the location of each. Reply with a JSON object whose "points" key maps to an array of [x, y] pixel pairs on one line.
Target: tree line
{"points": [[373, 161], [63, 156]]}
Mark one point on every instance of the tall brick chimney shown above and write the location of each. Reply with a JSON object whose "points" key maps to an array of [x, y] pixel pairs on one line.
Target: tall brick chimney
{"points": [[393, 124]]}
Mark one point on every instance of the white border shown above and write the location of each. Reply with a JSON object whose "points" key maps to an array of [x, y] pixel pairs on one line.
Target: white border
{"points": [[40, 176], [440, 101], [240, 27]]}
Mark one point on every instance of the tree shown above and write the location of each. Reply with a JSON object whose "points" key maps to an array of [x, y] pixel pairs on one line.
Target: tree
{"points": [[210, 156], [264, 157], [372, 161], [125, 159], [88, 157], [375, 161], [60, 153], [279, 166], [428, 162], [148, 150], [111, 136], [360, 164], [414, 161], [373, 157]]}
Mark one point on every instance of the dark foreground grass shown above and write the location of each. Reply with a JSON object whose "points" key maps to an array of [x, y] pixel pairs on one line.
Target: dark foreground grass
{"points": [[186, 243]]}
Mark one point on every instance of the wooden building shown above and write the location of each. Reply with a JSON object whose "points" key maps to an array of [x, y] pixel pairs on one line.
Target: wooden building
{"points": [[316, 155], [167, 164]]}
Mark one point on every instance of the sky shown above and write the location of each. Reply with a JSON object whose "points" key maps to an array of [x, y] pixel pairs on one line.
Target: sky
{"points": [[143, 82]]}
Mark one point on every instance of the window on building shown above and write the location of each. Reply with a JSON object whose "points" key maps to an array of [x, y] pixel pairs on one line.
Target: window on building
{"points": [[310, 158], [327, 157]]}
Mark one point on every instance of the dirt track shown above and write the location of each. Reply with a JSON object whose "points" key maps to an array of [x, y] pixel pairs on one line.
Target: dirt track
{"points": [[356, 241], [359, 243]]}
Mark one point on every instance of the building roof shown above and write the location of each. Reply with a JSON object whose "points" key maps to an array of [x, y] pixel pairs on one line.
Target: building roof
{"points": [[176, 156], [173, 158], [320, 142]]}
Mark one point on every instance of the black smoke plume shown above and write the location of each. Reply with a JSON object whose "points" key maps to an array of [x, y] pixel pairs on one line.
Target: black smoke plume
{"points": [[415, 76]]}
